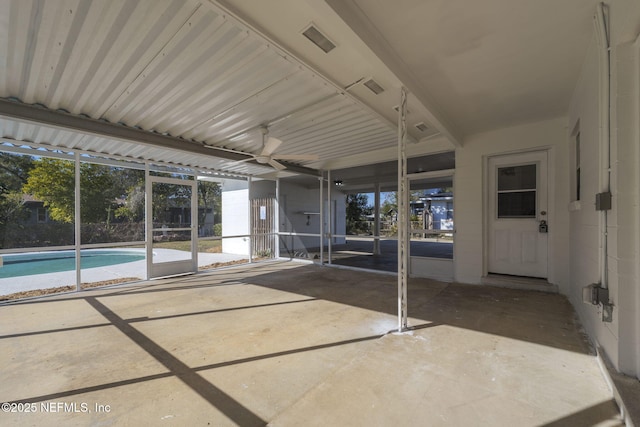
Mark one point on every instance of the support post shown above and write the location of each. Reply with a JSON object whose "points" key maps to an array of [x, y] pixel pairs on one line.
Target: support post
{"points": [[321, 219], [78, 223], [250, 208], [403, 240], [277, 219], [194, 224], [148, 219], [376, 220], [329, 235]]}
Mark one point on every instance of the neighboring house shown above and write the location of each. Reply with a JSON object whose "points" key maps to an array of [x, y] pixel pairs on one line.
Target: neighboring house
{"points": [[436, 211], [38, 212]]}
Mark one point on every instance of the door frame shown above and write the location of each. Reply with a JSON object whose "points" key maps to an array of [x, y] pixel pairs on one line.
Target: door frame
{"points": [[551, 206], [170, 268]]}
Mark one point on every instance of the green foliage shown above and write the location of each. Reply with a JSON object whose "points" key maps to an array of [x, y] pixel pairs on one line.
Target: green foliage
{"points": [[217, 229], [52, 181], [357, 207], [133, 207], [12, 212], [209, 196], [167, 196], [14, 170]]}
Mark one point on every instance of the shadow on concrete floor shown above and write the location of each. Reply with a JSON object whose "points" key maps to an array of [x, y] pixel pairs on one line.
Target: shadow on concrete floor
{"points": [[358, 252], [290, 344]]}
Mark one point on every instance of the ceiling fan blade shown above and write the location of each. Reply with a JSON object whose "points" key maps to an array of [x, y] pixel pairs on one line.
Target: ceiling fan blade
{"points": [[270, 146], [248, 159], [277, 165], [309, 157]]}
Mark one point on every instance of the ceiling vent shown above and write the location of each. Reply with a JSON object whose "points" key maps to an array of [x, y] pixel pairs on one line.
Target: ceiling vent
{"points": [[319, 39], [373, 86], [422, 127]]}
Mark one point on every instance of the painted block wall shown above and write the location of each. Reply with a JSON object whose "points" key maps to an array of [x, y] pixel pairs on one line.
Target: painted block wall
{"points": [[469, 187], [620, 339], [626, 206], [584, 235], [296, 199], [235, 216]]}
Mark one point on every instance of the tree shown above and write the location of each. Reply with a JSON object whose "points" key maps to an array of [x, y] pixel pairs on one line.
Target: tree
{"points": [[14, 170], [129, 188], [53, 182], [391, 200], [12, 213], [132, 208], [357, 207], [209, 196]]}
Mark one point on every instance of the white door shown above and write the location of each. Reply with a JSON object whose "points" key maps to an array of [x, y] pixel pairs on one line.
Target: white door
{"points": [[518, 214]]}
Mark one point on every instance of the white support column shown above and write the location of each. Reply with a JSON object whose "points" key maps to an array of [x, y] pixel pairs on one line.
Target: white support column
{"points": [[250, 219], [78, 223], [403, 241], [148, 219], [330, 212], [376, 220], [321, 219], [277, 219], [194, 223]]}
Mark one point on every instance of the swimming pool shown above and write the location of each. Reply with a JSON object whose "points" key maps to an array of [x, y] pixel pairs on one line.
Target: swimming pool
{"points": [[17, 265]]}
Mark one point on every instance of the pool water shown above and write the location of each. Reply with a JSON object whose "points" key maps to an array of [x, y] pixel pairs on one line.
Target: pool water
{"points": [[54, 262]]}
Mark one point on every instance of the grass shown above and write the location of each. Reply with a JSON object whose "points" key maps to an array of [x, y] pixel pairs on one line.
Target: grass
{"points": [[209, 246]]}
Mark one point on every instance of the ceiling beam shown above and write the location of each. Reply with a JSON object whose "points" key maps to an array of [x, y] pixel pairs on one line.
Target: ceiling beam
{"points": [[362, 26], [101, 128]]}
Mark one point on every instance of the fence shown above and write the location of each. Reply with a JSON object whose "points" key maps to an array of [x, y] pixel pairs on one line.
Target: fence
{"points": [[263, 223]]}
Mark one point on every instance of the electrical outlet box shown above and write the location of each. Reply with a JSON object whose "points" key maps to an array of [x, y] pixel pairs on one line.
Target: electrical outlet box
{"points": [[603, 201], [595, 294]]}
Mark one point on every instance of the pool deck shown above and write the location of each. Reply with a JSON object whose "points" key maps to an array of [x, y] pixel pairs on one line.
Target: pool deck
{"points": [[109, 272]]}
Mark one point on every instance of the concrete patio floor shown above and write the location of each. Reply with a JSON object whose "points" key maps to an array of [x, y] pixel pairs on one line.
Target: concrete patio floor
{"points": [[293, 344]]}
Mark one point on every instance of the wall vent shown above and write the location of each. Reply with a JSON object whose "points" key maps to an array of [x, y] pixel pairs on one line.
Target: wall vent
{"points": [[319, 39], [373, 86], [422, 127]]}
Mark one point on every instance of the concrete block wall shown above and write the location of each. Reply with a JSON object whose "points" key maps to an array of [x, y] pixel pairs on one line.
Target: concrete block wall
{"points": [[619, 339], [626, 181], [295, 200], [235, 216]]}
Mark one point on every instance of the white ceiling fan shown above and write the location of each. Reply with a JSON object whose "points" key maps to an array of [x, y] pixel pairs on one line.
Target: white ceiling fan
{"points": [[267, 156]]}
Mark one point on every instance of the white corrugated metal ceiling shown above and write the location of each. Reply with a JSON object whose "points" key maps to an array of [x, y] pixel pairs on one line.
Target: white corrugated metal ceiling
{"points": [[185, 69]]}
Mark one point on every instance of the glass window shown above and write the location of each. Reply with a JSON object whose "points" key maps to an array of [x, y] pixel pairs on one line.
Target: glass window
{"points": [[42, 215], [517, 191], [517, 178]]}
